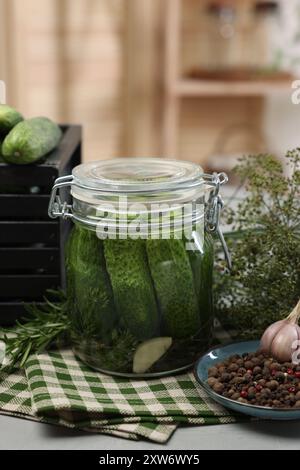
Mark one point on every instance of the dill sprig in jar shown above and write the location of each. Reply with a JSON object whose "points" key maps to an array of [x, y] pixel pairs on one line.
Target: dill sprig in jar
{"points": [[139, 263]]}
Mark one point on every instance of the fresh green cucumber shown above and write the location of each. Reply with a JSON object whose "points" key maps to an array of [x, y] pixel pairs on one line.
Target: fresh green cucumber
{"points": [[202, 267], [88, 288], [174, 284], [9, 118], [133, 290], [30, 140]]}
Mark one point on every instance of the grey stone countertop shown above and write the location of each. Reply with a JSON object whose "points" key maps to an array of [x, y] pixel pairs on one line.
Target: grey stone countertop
{"points": [[21, 434]]}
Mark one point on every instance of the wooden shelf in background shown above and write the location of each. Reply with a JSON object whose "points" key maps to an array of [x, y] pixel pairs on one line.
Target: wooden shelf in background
{"points": [[192, 87], [182, 80]]}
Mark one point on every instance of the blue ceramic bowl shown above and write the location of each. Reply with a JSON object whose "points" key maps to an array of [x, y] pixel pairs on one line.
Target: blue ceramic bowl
{"points": [[219, 354]]}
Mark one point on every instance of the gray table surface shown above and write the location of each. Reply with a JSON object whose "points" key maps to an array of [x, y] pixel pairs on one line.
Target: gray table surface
{"points": [[21, 434]]}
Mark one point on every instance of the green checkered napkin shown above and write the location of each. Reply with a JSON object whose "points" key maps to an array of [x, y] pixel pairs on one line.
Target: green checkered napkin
{"points": [[57, 388]]}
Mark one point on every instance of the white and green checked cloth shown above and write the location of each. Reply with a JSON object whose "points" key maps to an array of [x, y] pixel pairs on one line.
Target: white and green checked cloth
{"points": [[57, 388]]}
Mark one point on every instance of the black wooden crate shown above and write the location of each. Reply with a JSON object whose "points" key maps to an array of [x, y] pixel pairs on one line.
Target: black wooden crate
{"points": [[31, 244]]}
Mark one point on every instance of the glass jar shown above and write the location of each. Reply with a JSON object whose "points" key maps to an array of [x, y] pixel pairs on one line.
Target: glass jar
{"points": [[222, 27], [139, 263], [262, 41]]}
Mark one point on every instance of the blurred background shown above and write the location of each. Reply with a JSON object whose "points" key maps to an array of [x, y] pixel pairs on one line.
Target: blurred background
{"points": [[200, 80]]}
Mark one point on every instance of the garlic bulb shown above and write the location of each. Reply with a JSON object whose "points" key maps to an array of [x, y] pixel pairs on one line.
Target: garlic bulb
{"points": [[279, 338]]}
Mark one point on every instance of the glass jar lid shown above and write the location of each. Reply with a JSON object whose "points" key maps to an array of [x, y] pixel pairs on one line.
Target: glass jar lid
{"points": [[124, 187], [123, 175]]}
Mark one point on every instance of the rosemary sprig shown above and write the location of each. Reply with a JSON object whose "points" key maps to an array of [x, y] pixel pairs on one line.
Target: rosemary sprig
{"points": [[44, 327]]}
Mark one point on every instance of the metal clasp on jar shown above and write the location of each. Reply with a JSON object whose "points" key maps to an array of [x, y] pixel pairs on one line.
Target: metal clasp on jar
{"points": [[57, 208], [213, 209]]}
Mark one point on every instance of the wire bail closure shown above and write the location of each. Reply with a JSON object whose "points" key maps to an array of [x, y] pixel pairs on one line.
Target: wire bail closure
{"points": [[57, 208], [213, 210]]}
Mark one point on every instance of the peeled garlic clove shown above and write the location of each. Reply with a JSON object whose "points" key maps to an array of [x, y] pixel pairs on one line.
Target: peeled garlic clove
{"points": [[281, 347], [149, 352], [269, 335]]}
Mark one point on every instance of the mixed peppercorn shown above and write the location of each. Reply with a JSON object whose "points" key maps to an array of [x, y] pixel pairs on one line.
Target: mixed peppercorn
{"points": [[257, 379]]}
